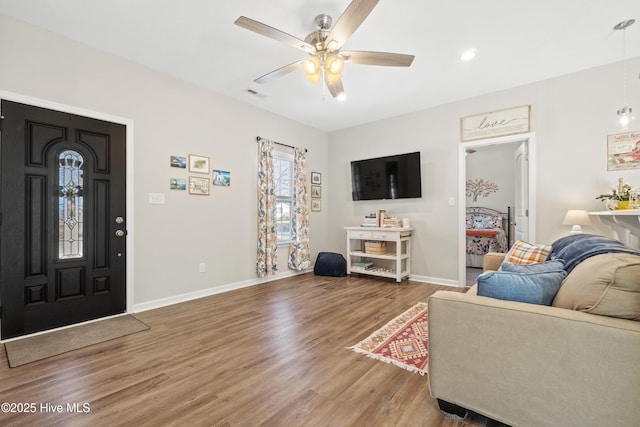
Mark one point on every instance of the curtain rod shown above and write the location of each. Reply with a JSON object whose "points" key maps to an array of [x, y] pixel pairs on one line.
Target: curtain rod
{"points": [[258, 138]]}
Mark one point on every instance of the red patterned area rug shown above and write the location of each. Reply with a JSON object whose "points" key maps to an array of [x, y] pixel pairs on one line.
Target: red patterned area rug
{"points": [[403, 341]]}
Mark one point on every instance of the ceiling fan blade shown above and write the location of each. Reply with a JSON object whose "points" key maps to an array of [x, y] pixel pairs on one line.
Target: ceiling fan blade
{"points": [[336, 89], [348, 23], [274, 33], [279, 72], [378, 58]]}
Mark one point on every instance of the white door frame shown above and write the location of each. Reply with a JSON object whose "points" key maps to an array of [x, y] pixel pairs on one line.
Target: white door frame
{"points": [[37, 102], [530, 138]]}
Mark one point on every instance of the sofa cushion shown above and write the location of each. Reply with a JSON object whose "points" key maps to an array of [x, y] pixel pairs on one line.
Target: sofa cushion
{"points": [[527, 253], [606, 284], [538, 267], [532, 288]]}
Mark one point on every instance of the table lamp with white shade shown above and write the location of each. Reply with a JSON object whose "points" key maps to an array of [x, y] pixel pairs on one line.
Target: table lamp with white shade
{"points": [[576, 218]]}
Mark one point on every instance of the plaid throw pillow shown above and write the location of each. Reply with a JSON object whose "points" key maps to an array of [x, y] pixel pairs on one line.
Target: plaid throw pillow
{"points": [[526, 253]]}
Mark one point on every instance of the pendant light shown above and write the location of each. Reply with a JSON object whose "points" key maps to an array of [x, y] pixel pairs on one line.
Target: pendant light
{"points": [[625, 114]]}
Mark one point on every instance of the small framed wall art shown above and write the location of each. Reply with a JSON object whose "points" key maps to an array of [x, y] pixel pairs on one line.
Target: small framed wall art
{"points": [[198, 164], [221, 178], [178, 184], [199, 186], [316, 178], [316, 191], [178, 162], [315, 205]]}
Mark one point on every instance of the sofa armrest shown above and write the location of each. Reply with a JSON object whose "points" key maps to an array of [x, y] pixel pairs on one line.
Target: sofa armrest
{"points": [[525, 364], [492, 261]]}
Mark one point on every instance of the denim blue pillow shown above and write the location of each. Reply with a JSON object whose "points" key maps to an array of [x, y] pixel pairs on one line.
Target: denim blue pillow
{"points": [[532, 288], [536, 267]]}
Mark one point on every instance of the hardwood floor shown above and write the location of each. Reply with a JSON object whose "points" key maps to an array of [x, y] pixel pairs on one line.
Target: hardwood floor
{"points": [[268, 355]]}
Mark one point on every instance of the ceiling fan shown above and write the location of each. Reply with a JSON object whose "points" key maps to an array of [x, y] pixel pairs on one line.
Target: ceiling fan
{"points": [[327, 60]]}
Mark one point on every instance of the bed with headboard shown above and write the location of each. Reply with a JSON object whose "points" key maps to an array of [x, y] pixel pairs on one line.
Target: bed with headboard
{"points": [[487, 231]]}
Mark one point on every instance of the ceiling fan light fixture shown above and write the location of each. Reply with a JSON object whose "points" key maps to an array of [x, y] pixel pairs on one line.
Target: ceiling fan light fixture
{"points": [[333, 78], [311, 65], [335, 64], [314, 77]]}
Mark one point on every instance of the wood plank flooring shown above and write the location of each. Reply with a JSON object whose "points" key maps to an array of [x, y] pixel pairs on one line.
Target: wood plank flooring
{"points": [[274, 354]]}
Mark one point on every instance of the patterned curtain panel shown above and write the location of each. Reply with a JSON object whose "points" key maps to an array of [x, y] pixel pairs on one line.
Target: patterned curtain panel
{"points": [[299, 253], [267, 233]]}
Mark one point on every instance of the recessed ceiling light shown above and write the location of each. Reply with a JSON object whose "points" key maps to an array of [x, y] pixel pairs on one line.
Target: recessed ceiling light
{"points": [[468, 55], [341, 96]]}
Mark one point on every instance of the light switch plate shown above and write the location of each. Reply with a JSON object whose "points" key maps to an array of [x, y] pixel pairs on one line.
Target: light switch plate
{"points": [[156, 198]]}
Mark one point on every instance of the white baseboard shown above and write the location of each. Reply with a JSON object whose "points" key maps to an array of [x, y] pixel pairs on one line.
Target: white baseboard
{"points": [[163, 302], [435, 281]]}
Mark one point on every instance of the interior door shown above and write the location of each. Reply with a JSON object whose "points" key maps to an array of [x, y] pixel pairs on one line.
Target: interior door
{"points": [[521, 213], [63, 225]]}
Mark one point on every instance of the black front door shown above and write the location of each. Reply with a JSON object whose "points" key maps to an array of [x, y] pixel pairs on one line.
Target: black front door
{"points": [[63, 224]]}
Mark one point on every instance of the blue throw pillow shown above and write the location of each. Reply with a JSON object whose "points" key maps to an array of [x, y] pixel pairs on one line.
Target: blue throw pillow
{"points": [[532, 288], [536, 267]]}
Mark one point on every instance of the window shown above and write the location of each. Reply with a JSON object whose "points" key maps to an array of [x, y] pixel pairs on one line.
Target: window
{"points": [[70, 205], [283, 184]]}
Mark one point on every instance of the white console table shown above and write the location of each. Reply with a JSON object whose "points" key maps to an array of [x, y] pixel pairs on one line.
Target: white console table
{"points": [[395, 263], [624, 223]]}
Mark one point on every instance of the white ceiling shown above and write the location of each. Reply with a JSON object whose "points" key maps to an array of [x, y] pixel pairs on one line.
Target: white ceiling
{"points": [[518, 42]]}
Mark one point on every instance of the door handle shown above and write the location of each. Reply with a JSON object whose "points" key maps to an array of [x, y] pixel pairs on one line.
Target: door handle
{"points": [[120, 233]]}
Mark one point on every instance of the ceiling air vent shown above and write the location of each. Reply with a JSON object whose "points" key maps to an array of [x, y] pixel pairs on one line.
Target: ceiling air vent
{"points": [[254, 93]]}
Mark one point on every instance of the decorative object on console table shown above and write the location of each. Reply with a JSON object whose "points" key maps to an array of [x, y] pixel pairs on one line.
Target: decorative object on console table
{"points": [[375, 247], [370, 221], [634, 199]]}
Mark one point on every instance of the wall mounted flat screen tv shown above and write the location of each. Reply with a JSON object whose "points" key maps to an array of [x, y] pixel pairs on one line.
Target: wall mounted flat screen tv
{"points": [[391, 177]]}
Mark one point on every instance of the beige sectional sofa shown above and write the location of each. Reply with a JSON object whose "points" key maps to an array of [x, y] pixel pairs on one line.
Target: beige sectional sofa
{"points": [[535, 365]]}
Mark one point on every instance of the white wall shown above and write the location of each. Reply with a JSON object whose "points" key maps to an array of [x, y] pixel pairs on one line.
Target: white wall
{"points": [[170, 117], [571, 117], [494, 164]]}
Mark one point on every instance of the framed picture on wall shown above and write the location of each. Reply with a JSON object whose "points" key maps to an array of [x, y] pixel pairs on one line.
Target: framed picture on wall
{"points": [[316, 191], [623, 151], [198, 164], [199, 186], [315, 205], [316, 178]]}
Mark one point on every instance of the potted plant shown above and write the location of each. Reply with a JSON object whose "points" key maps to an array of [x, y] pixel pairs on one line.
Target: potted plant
{"points": [[618, 198]]}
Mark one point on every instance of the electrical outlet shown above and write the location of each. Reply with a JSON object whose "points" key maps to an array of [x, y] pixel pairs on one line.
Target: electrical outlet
{"points": [[201, 267]]}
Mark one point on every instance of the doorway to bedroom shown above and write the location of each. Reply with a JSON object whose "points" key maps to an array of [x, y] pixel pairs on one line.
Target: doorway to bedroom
{"points": [[498, 199]]}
